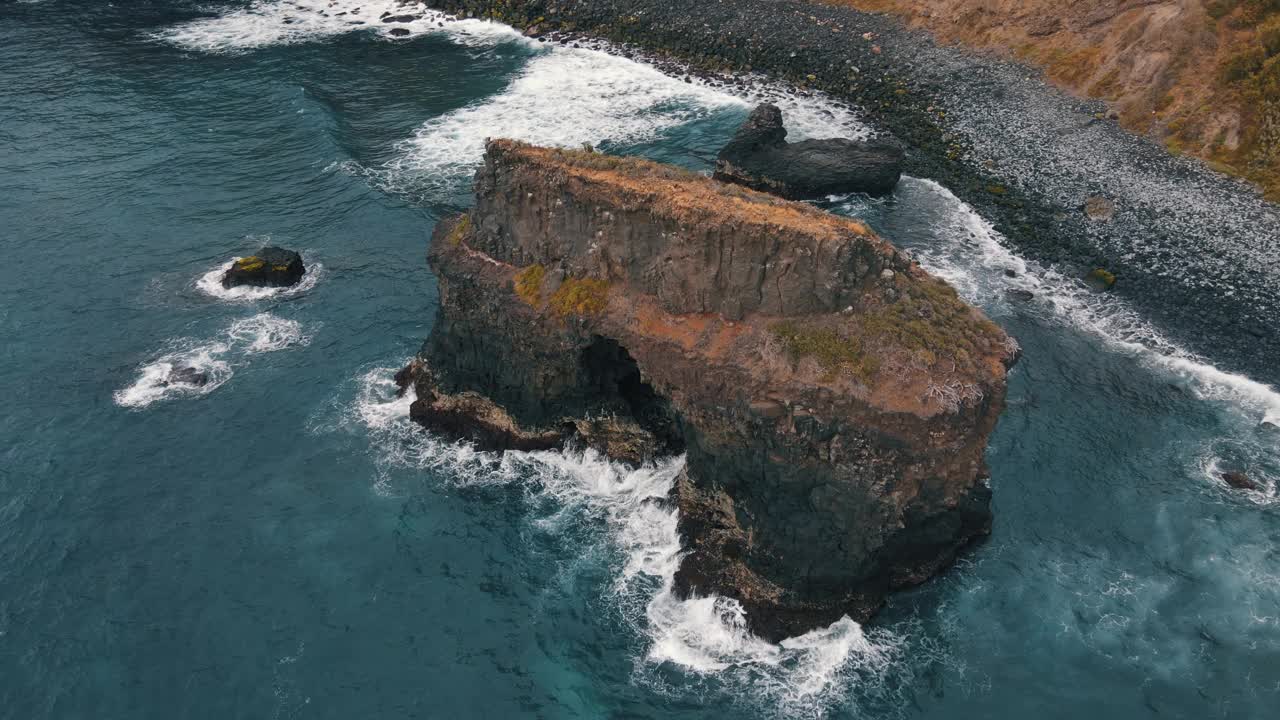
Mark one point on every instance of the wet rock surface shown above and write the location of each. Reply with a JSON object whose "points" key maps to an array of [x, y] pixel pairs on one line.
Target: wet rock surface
{"points": [[186, 376], [269, 267], [760, 158], [1239, 481], [639, 309]]}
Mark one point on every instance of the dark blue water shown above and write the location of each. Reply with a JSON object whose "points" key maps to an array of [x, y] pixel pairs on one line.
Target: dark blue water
{"points": [[282, 543]]}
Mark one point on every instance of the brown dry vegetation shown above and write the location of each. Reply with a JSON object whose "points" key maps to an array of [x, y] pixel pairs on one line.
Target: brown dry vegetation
{"points": [[679, 194], [580, 296], [1202, 76]]}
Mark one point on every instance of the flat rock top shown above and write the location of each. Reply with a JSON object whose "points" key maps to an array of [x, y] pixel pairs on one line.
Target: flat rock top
{"points": [[667, 191], [897, 337]]}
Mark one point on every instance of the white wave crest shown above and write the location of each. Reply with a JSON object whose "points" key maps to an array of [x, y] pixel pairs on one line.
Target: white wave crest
{"points": [[289, 22], [210, 284], [706, 638], [974, 263], [174, 375], [201, 368], [564, 97]]}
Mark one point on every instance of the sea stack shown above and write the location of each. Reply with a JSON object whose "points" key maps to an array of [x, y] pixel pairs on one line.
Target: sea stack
{"points": [[270, 267], [833, 401], [760, 158]]}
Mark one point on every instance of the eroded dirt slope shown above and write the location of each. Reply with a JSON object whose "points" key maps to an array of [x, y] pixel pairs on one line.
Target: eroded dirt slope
{"points": [[1202, 76]]}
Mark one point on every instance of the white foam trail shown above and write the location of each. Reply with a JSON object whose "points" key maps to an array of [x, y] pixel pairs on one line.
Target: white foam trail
{"points": [[705, 637], [266, 333], [210, 284], [161, 379], [564, 97], [289, 22], [975, 263], [157, 380]]}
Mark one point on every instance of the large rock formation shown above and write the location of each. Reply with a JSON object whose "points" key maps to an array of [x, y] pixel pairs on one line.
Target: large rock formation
{"points": [[833, 400], [760, 157]]}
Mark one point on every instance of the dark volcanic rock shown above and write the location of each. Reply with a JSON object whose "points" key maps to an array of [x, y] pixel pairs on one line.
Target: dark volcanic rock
{"points": [[1019, 294], [271, 267], [834, 432], [760, 158], [187, 376], [399, 32], [1239, 481]]}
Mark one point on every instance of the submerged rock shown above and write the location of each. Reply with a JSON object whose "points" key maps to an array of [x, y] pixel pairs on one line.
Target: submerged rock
{"points": [[1239, 481], [833, 432], [186, 376], [1020, 295], [270, 267], [760, 158]]}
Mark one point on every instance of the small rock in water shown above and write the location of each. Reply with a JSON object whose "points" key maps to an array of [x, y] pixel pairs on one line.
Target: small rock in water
{"points": [[1019, 294], [1099, 208], [1010, 272], [1239, 481], [271, 267], [398, 32], [187, 376]]}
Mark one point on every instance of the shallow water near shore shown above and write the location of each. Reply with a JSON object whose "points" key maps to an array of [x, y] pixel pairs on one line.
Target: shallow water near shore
{"points": [[281, 542]]}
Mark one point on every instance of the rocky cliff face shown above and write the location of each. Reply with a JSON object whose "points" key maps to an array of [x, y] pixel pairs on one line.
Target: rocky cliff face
{"points": [[833, 400]]}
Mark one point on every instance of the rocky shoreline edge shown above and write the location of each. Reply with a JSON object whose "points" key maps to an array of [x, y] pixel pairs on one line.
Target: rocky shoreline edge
{"points": [[901, 81]]}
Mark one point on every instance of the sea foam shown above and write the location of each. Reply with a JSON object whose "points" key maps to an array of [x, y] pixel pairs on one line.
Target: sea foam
{"points": [[264, 24], [705, 638], [214, 359], [210, 283], [563, 97], [570, 96]]}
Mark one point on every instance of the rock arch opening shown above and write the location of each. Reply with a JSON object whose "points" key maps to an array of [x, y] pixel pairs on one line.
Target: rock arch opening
{"points": [[613, 374]]}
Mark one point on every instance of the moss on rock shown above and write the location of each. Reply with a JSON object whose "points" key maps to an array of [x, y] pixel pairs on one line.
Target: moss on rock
{"points": [[529, 284], [580, 296]]}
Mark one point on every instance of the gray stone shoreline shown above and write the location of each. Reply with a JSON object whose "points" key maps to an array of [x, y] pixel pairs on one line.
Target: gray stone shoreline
{"points": [[1196, 252]]}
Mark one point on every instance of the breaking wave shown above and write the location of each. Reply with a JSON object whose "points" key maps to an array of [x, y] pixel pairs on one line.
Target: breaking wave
{"points": [[564, 97], [569, 96], [289, 22], [705, 639], [198, 368], [210, 284]]}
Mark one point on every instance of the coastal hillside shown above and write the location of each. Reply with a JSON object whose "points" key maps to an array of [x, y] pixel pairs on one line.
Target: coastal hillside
{"points": [[1201, 76]]}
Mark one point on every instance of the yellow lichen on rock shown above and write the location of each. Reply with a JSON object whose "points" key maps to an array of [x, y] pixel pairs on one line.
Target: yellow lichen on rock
{"points": [[460, 230], [580, 296], [528, 284]]}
